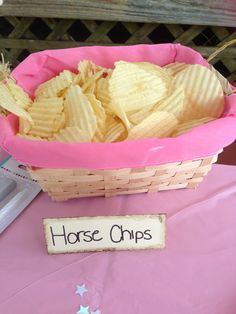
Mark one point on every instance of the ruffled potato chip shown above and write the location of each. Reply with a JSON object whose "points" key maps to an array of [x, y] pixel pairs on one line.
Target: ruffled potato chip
{"points": [[132, 87], [134, 101], [175, 103], [22, 99], [203, 90], [116, 131], [159, 124], [9, 103], [189, 125], [101, 92], [72, 135], [174, 68], [48, 117], [55, 86], [79, 111]]}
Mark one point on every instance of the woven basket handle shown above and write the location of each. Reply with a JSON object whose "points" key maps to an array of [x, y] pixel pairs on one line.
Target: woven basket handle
{"points": [[219, 50]]}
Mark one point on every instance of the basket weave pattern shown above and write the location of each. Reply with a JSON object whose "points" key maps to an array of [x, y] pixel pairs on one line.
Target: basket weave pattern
{"points": [[64, 184]]}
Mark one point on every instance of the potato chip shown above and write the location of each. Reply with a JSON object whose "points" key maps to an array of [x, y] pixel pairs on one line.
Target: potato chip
{"points": [[48, 117], [158, 124], [72, 135], [101, 91], [44, 131], [8, 103], [119, 111], [203, 90], [174, 68], [87, 69], [31, 137], [136, 100], [223, 81], [24, 126], [133, 88], [90, 84], [100, 116], [97, 107], [187, 126], [79, 111], [55, 86], [155, 70], [21, 97], [175, 103], [51, 104], [59, 122], [137, 116], [116, 132]]}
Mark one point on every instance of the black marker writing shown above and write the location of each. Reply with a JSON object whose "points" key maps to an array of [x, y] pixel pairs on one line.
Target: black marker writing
{"points": [[75, 237]]}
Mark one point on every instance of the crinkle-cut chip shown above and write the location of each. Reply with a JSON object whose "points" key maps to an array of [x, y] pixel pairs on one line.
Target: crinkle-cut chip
{"points": [[133, 88], [223, 81], [45, 117], [203, 90], [100, 116], [175, 103], [21, 97], [46, 111], [189, 125], [8, 103], [55, 86], [79, 112], [72, 135], [41, 130], [87, 69], [59, 122], [174, 68], [53, 124], [102, 92], [119, 111], [24, 126], [116, 132], [48, 102], [77, 80], [137, 116], [90, 84], [47, 107], [155, 70], [48, 117], [47, 123], [31, 137], [159, 124], [98, 137], [97, 106]]}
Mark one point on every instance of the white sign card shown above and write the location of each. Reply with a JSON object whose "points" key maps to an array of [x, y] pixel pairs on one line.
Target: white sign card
{"points": [[104, 233]]}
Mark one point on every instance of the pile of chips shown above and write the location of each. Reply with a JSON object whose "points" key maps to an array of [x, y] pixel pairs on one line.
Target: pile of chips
{"points": [[135, 100]]}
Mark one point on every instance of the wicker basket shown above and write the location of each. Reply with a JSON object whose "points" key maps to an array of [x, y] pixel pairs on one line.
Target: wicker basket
{"points": [[66, 184]]}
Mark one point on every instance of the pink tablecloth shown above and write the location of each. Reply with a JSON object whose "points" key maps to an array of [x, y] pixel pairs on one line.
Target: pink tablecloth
{"points": [[195, 274]]}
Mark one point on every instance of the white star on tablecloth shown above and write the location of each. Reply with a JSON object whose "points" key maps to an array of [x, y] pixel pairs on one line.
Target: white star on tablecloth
{"points": [[80, 290], [83, 310]]}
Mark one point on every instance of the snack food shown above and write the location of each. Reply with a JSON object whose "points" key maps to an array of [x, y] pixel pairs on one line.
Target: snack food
{"points": [[135, 100]]}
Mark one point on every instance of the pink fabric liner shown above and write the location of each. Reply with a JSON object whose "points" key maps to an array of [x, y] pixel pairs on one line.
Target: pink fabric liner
{"points": [[39, 67]]}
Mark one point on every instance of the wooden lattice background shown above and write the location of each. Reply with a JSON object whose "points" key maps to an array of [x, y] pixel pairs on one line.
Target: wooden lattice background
{"points": [[20, 36]]}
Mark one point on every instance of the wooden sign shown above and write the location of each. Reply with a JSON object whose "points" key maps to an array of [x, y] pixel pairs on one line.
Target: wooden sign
{"points": [[102, 233]]}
